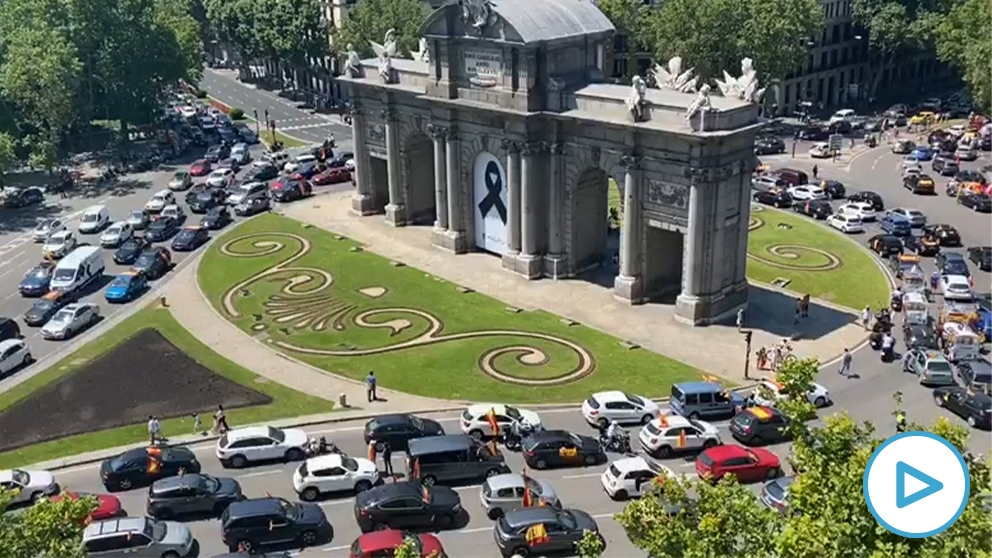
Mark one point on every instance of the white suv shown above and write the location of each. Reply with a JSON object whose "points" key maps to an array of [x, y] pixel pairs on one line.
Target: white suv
{"points": [[240, 447], [632, 476], [662, 437], [769, 392], [476, 424], [334, 473], [607, 406]]}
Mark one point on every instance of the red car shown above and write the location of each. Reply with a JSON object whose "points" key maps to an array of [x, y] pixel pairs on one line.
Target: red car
{"points": [[200, 167], [747, 464], [331, 175], [383, 543], [290, 189], [108, 506]]}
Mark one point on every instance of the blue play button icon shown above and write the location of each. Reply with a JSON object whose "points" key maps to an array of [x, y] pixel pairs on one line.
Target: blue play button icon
{"points": [[932, 487]]}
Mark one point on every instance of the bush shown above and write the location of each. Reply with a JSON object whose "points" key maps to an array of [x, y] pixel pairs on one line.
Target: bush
{"points": [[201, 94], [236, 114]]}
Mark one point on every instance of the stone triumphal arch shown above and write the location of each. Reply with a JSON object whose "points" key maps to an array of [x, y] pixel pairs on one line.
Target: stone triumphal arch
{"points": [[501, 134]]}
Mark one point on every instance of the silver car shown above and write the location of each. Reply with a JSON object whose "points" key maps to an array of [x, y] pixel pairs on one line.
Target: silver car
{"points": [[46, 228], [505, 493], [70, 320], [138, 536], [28, 486]]}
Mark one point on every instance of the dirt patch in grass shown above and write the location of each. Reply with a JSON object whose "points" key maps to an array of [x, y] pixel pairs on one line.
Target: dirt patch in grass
{"points": [[145, 375]]}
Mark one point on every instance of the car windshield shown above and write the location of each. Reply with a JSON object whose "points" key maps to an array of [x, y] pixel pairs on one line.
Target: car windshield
{"points": [[64, 274], [349, 464], [43, 304], [159, 224], [146, 259], [185, 234], [939, 366], [138, 214], [38, 273], [575, 439], [277, 435], [90, 217], [513, 413], [122, 281], [634, 399], [179, 176], [114, 229], [43, 226], [209, 483], [982, 379], [289, 510], [20, 477], [62, 316]]}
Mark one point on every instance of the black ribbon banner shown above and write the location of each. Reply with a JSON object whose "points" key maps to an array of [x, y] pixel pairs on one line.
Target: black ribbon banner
{"points": [[494, 186]]}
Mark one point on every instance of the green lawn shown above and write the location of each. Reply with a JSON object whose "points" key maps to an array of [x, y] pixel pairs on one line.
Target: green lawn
{"points": [[286, 402], [443, 366], [854, 280]]}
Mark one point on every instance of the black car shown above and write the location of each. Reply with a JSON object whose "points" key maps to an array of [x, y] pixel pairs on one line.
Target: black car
{"points": [[260, 172], [246, 134], [406, 505], [550, 448], [341, 159], [398, 430], [946, 234], [952, 263], [128, 253], [981, 203], [36, 281], [840, 127], [885, 245], [217, 152], [191, 494], [45, 307], [759, 425], [970, 176], [980, 256], [769, 146], [190, 238], [564, 529], [24, 198], [813, 133], [818, 209], [835, 190], [154, 262], [775, 198], [307, 170], [868, 196], [920, 336], [251, 524], [142, 466], [207, 199], [191, 194], [216, 218], [922, 184], [227, 135], [290, 189], [162, 228], [9, 329], [974, 406], [922, 245], [252, 206], [975, 374]]}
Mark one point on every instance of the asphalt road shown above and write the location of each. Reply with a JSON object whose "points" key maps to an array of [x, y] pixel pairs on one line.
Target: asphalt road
{"points": [[577, 488], [304, 125]]}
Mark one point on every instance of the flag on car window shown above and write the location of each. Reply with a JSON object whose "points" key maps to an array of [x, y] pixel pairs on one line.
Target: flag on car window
{"points": [[426, 494], [528, 500], [662, 420], [493, 424], [681, 442], [537, 534]]}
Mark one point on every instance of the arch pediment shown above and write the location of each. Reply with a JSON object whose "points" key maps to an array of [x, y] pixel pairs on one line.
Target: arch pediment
{"points": [[524, 22]]}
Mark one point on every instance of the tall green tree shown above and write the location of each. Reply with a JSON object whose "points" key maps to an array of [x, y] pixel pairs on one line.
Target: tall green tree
{"points": [[8, 154], [630, 18], [707, 34], [235, 22], [45, 530], [770, 35], [369, 20], [960, 40]]}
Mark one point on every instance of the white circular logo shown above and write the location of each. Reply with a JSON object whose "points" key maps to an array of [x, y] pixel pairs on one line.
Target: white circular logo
{"points": [[916, 484]]}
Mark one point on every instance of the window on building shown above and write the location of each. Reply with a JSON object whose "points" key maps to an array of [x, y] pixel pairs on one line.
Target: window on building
{"points": [[823, 60], [833, 58], [835, 34]]}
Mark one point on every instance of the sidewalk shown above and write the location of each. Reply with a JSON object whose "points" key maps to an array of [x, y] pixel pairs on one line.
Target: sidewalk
{"points": [[715, 349], [196, 314]]}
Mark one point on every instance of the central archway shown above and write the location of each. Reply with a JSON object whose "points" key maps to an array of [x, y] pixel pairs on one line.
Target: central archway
{"points": [[590, 207], [418, 168]]}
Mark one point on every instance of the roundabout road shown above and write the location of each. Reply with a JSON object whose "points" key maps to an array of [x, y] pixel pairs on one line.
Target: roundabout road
{"points": [[869, 396], [577, 487]]}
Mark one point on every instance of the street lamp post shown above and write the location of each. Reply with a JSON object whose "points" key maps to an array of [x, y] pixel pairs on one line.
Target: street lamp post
{"points": [[747, 353], [255, 111]]}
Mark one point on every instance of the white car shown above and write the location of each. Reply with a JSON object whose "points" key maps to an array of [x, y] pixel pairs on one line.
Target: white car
{"points": [[765, 182], [966, 152], [956, 287], [174, 211], [59, 244], [116, 235], [607, 406], [241, 446], [187, 111], [475, 424], [915, 217], [46, 228], [334, 473], [769, 392], [820, 151], [846, 223], [298, 161], [957, 130], [631, 477], [807, 192], [181, 180], [843, 115], [13, 354], [861, 210], [248, 191], [220, 178], [159, 200], [28, 486], [910, 162], [208, 123], [240, 153], [70, 320], [662, 437]]}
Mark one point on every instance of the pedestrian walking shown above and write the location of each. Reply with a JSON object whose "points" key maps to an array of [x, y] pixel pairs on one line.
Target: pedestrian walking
{"points": [[220, 420], [804, 306], [387, 459], [816, 171], [154, 430], [197, 427], [740, 319], [866, 318], [845, 363], [888, 347], [370, 382]]}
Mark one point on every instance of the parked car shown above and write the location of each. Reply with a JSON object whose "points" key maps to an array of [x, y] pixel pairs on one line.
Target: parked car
{"points": [[129, 251], [846, 223], [833, 189], [46, 228], [143, 466], [747, 464], [560, 448], [974, 374], [14, 353], [920, 336], [948, 235], [981, 203], [217, 217], [931, 367], [138, 219], [974, 406], [154, 262], [384, 543], [398, 429], [774, 198], [35, 282], [190, 238], [293, 189], [239, 447], [47, 306], [507, 492], [407, 505], [670, 435], [59, 245], [249, 525], [253, 206], [981, 256], [191, 494], [869, 197], [334, 473], [138, 536], [563, 528], [70, 320], [126, 287], [922, 153]]}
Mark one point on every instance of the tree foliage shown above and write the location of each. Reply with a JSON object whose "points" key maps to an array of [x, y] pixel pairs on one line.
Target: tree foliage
{"points": [[369, 21], [45, 530], [410, 549], [630, 18], [828, 516], [591, 545], [8, 154], [962, 41], [283, 29]]}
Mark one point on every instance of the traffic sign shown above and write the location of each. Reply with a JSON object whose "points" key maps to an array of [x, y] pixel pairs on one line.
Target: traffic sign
{"points": [[836, 142]]}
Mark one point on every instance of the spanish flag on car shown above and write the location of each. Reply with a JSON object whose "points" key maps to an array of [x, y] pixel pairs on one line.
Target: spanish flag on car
{"points": [[416, 468], [681, 441], [425, 494], [493, 424], [537, 534], [528, 500], [662, 420], [154, 460]]}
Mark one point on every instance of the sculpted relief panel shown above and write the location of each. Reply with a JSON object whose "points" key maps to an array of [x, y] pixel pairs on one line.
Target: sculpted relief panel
{"points": [[665, 197]]}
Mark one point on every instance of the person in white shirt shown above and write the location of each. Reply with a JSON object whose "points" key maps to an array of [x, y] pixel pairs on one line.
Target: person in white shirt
{"points": [[154, 430]]}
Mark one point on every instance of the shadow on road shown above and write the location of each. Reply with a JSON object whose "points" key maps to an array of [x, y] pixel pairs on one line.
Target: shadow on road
{"points": [[775, 312], [25, 219]]}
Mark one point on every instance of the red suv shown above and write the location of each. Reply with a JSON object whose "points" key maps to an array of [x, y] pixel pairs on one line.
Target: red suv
{"points": [[383, 543]]}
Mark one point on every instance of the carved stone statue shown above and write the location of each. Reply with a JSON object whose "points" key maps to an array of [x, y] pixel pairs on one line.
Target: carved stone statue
{"points": [[700, 104], [636, 101], [353, 63], [423, 53], [385, 52], [477, 14], [744, 87], [673, 77]]}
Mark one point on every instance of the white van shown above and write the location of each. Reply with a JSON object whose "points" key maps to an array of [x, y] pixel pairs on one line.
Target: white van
{"points": [[278, 158], [94, 219], [78, 269], [843, 115]]}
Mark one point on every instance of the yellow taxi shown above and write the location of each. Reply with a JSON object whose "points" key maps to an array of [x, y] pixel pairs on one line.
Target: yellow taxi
{"points": [[924, 117]]}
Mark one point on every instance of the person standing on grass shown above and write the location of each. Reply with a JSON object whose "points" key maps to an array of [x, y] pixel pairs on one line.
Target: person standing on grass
{"points": [[370, 382], [220, 418], [154, 430], [845, 363]]}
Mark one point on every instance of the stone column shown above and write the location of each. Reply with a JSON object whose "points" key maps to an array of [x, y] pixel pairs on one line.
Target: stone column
{"points": [[529, 260], [439, 135], [629, 285], [743, 229], [693, 243], [555, 260], [362, 201], [395, 209], [512, 198], [454, 238]]}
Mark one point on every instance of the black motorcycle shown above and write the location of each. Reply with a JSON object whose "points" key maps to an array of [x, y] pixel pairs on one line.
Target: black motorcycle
{"points": [[620, 444]]}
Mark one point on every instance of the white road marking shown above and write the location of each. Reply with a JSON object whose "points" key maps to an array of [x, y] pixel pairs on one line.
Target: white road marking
{"points": [[12, 258], [335, 548], [260, 474], [474, 530], [5, 273], [337, 503], [349, 429], [877, 159], [10, 296], [602, 515], [583, 476]]}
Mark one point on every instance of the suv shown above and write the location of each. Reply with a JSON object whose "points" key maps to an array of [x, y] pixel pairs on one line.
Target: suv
{"points": [[452, 458], [250, 524], [137, 535], [945, 166], [759, 425], [695, 400]]}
